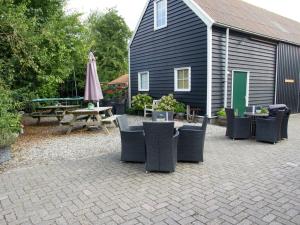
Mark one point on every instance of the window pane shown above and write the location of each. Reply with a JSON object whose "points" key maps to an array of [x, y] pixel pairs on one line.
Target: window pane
{"points": [[180, 84], [186, 84], [144, 81], [160, 13], [180, 75]]}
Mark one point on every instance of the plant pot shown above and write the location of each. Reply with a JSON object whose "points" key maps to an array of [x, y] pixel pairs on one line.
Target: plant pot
{"points": [[180, 116], [5, 154], [221, 121]]}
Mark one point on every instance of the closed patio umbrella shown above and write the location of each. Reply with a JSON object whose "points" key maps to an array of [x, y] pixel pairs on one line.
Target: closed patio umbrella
{"points": [[93, 90]]}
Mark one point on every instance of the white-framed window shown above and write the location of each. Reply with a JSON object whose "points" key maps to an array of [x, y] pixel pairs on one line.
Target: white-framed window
{"points": [[160, 14], [182, 79], [143, 81]]}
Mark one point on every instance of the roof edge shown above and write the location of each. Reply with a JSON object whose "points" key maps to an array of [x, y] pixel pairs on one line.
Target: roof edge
{"points": [[254, 33], [199, 12]]}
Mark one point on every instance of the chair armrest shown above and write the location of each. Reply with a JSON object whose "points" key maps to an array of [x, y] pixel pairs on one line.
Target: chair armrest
{"points": [[136, 128], [188, 127]]}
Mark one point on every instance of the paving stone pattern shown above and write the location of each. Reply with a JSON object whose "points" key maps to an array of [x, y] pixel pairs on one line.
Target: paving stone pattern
{"points": [[240, 182]]}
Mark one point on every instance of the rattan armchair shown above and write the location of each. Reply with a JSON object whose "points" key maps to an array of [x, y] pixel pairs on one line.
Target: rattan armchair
{"points": [[191, 142], [161, 146], [132, 141]]}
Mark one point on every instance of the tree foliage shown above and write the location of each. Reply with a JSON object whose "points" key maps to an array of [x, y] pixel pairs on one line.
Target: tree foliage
{"points": [[40, 46], [109, 37]]}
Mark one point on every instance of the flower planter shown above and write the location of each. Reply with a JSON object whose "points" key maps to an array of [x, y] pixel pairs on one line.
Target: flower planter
{"points": [[5, 154]]}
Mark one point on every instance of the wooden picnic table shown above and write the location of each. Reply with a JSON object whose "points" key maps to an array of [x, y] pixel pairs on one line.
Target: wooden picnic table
{"points": [[89, 115], [57, 111]]}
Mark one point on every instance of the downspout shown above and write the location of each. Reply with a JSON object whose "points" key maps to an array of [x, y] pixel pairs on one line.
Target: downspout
{"points": [[276, 74], [129, 79], [226, 68], [209, 71]]}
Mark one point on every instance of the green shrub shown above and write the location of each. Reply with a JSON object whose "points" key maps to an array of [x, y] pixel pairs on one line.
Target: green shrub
{"points": [[140, 101], [167, 103], [221, 113], [180, 107], [9, 118], [264, 110]]}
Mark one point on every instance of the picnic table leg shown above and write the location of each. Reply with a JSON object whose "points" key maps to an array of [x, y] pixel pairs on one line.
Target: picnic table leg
{"points": [[38, 120], [72, 124], [99, 120], [111, 114]]}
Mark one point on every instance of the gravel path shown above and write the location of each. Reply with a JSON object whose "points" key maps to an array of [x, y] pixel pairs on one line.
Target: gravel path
{"points": [[48, 142]]}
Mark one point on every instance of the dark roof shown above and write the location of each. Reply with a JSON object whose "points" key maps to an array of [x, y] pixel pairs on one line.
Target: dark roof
{"points": [[240, 15]]}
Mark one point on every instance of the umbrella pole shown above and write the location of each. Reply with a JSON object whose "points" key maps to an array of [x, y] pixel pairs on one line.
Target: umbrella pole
{"points": [[98, 104]]}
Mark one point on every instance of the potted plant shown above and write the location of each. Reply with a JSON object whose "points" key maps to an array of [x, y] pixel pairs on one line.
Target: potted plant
{"points": [[167, 104], [140, 101], [180, 110], [221, 120], [9, 123]]}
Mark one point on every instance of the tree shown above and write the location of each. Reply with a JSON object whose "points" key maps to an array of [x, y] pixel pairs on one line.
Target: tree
{"points": [[40, 47], [109, 38]]}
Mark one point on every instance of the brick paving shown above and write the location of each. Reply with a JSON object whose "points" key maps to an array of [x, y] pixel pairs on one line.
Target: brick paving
{"points": [[240, 182]]}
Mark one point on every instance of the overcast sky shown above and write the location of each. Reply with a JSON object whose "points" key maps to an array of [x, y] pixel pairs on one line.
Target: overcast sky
{"points": [[131, 9]]}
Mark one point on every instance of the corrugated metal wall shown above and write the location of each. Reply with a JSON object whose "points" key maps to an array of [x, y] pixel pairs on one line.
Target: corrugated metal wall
{"points": [[288, 81], [182, 43], [246, 54]]}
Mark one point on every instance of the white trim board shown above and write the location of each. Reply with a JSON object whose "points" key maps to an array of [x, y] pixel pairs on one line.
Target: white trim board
{"points": [[209, 72], [247, 86]]}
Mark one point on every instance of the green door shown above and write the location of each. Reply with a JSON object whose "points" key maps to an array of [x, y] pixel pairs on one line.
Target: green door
{"points": [[239, 94]]}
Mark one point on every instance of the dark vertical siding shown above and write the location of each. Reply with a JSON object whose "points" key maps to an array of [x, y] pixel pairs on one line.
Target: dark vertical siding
{"points": [[182, 43], [288, 68], [247, 54]]}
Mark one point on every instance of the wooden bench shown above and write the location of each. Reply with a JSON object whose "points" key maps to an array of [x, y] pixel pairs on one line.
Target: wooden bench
{"points": [[59, 115]]}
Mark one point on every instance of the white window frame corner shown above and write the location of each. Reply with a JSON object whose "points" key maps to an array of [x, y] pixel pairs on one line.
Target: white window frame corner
{"points": [[155, 14], [176, 79], [139, 81]]}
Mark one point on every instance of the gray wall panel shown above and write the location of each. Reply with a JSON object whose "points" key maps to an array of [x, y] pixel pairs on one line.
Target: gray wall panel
{"points": [[247, 54]]}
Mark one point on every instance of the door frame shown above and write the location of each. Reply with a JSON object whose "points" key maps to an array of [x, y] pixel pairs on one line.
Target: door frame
{"points": [[247, 85]]}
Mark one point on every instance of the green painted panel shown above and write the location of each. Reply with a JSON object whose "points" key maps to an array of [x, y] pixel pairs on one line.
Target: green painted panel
{"points": [[239, 92]]}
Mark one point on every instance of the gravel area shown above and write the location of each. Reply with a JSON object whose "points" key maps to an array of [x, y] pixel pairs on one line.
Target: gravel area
{"points": [[48, 142]]}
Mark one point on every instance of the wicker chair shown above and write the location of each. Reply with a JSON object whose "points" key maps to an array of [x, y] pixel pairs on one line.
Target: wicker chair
{"points": [[237, 127], [161, 146], [269, 129], [273, 109], [132, 141], [167, 116], [191, 142]]}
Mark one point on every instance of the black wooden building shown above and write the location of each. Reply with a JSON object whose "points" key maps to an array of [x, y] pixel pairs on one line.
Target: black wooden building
{"points": [[216, 53]]}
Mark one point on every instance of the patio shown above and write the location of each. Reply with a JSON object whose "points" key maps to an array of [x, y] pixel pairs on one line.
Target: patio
{"points": [[78, 179]]}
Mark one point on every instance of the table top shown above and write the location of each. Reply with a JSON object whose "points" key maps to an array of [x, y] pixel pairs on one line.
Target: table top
{"points": [[87, 111], [59, 107], [56, 99], [256, 114]]}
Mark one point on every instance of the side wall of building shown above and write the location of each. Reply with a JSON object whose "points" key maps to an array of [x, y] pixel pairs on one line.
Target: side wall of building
{"points": [[183, 43], [246, 53]]}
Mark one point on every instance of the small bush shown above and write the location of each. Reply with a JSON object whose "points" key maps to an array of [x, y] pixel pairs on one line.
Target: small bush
{"points": [[140, 101], [9, 118], [180, 107], [221, 113], [167, 103]]}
